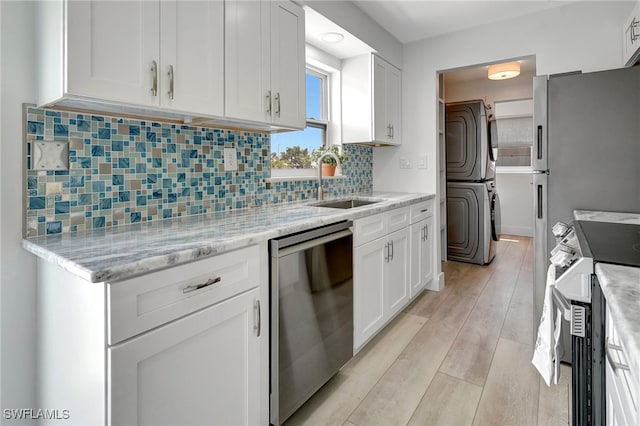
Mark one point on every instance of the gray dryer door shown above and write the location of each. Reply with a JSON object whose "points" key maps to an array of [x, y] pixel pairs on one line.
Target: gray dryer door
{"points": [[463, 209], [463, 140]]}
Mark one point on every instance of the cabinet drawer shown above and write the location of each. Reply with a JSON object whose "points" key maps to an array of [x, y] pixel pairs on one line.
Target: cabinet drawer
{"points": [[369, 228], [145, 302], [397, 219], [421, 210]]}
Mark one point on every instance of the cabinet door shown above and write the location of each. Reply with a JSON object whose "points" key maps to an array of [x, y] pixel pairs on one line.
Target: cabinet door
{"points": [[394, 104], [369, 266], [396, 284], [192, 68], [381, 125], [201, 369], [246, 59], [288, 65], [416, 282], [111, 49]]}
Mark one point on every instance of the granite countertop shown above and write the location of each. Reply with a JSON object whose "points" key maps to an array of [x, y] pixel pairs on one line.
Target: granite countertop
{"points": [[116, 254], [620, 286]]}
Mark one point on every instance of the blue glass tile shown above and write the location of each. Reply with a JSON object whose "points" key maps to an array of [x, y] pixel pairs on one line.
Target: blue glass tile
{"points": [[171, 148], [98, 222], [60, 130], [97, 118], [61, 207], [197, 140], [123, 163], [117, 146], [117, 180], [135, 217], [61, 173], [97, 151], [152, 178], [124, 196], [181, 177], [141, 168], [157, 194], [83, 126], [141, 200], [32, 182], [211, 190], [198, 195], [193, 182], [85, 199], [218, 180], [35, 127], [98, 186], [54, 227], [217, 154], [49, 113], [186, 192], [141, 147], [105, 204], [134, 130], [151, 136], [36, 203], [104, 133], [167, 183], [166, 213], [157, 162], [166, 133]]}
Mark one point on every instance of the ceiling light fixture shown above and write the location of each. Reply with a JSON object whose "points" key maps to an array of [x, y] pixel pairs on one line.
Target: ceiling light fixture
{"points": [[504, 71], [331, 37]]}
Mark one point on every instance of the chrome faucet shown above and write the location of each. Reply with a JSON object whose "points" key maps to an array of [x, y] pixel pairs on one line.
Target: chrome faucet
{"points": [[320, 189]]}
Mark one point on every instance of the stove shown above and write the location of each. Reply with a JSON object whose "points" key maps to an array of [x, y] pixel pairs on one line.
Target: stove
{"points": [[607, 242]]}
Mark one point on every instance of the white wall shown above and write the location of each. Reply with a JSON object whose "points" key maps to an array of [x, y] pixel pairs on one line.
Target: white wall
{"points": [[17, 267], [490, 91]]}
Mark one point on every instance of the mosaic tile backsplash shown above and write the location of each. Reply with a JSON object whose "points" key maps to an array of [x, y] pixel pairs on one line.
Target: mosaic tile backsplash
{"points": [[124, 171]]}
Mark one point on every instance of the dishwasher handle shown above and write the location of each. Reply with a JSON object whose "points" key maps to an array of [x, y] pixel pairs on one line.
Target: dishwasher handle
{"points": [[312, 243]]}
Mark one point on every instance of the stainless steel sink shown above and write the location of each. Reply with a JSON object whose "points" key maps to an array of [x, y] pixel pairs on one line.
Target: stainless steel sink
{"points": [[344, 204]]}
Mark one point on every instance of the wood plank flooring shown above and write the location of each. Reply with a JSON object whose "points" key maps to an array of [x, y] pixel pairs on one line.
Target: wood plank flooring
{"points": [[460, 356]]}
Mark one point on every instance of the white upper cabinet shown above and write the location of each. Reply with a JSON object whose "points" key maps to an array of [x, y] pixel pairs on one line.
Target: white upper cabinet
{"points": [[371, 101], [144, 53], [631, 37], [192, 65], [265, 63]]}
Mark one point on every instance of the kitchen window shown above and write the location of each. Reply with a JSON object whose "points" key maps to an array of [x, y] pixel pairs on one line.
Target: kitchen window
{"points": [[291, 151], [514, 133]]}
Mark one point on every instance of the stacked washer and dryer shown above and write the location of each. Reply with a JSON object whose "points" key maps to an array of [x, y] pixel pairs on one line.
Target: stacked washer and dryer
{"points": [[473, 206]]}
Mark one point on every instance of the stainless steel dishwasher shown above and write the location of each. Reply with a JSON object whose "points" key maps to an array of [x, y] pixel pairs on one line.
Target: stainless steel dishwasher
{"points": [[311, 319]]}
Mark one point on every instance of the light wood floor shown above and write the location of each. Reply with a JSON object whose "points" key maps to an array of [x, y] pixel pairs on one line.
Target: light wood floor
{"points": [[460, 356]]}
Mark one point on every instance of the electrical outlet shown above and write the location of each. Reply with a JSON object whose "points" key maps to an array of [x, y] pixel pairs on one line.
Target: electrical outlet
{"points": [[230, 160], [405, 163], [422, 162], [50, 155]]}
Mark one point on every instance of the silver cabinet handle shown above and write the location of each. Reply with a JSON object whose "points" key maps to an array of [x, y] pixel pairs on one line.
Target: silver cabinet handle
{"points": [[277, 104], [170, 74], [632, 30], [423, 234], [392, 131], [154, 74], [268, 98], [194, 287], [391, 250], [388, 130], [614, 364], [386, 254], [426, 232], [257, 322]]}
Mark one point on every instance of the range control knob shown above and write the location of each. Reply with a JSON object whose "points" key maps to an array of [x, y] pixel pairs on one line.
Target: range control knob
{"points": [[560, 229]]}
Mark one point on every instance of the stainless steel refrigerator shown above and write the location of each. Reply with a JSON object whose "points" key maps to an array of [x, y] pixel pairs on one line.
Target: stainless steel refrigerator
{"points": [[586, 154]]}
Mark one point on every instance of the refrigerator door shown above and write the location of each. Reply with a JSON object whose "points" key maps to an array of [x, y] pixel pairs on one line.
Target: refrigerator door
{"points": [[540, 248], [539, 154]]}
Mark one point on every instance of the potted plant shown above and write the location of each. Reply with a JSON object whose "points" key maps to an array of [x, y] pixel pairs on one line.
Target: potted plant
{"points": [[329, 163]]}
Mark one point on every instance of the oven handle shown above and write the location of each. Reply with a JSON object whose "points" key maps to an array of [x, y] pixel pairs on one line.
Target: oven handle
{"points": [[561, 302], [313, 243]]}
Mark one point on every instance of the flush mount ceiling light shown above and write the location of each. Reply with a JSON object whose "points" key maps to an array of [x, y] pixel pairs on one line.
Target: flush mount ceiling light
{"points": [[504, 71], [331, 37]]}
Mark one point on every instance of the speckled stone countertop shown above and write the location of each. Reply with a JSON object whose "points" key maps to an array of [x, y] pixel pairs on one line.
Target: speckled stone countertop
{"points": [[116, 254], [620, 286]]}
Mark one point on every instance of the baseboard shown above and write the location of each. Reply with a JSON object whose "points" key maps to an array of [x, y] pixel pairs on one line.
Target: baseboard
{"points": [[523, 231], [437, 283]]}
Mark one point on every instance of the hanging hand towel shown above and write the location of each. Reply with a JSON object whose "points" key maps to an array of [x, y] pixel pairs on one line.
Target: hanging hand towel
{"points": [[544, 353]]}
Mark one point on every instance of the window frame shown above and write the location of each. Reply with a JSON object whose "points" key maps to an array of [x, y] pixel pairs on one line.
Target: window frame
{"points": [[322, 123]]}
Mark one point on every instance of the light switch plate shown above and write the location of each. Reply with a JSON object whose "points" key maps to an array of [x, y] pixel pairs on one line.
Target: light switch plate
{"points": [[422, 162], [230, 160], [405, 163], [50, 155]]}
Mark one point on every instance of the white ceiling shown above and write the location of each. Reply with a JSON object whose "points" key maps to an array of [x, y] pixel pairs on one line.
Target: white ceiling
{"points": [[316, 25], [527, 66], [411, 20]]}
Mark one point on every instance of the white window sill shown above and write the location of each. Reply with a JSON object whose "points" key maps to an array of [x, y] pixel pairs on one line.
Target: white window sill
{"points": [[514, 169], [274, 179]]}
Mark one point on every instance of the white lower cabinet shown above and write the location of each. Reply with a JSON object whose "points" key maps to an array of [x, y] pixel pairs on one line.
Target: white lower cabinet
{"points": [[381, 273], [622, 384], [202, 369], [187, 345]]}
